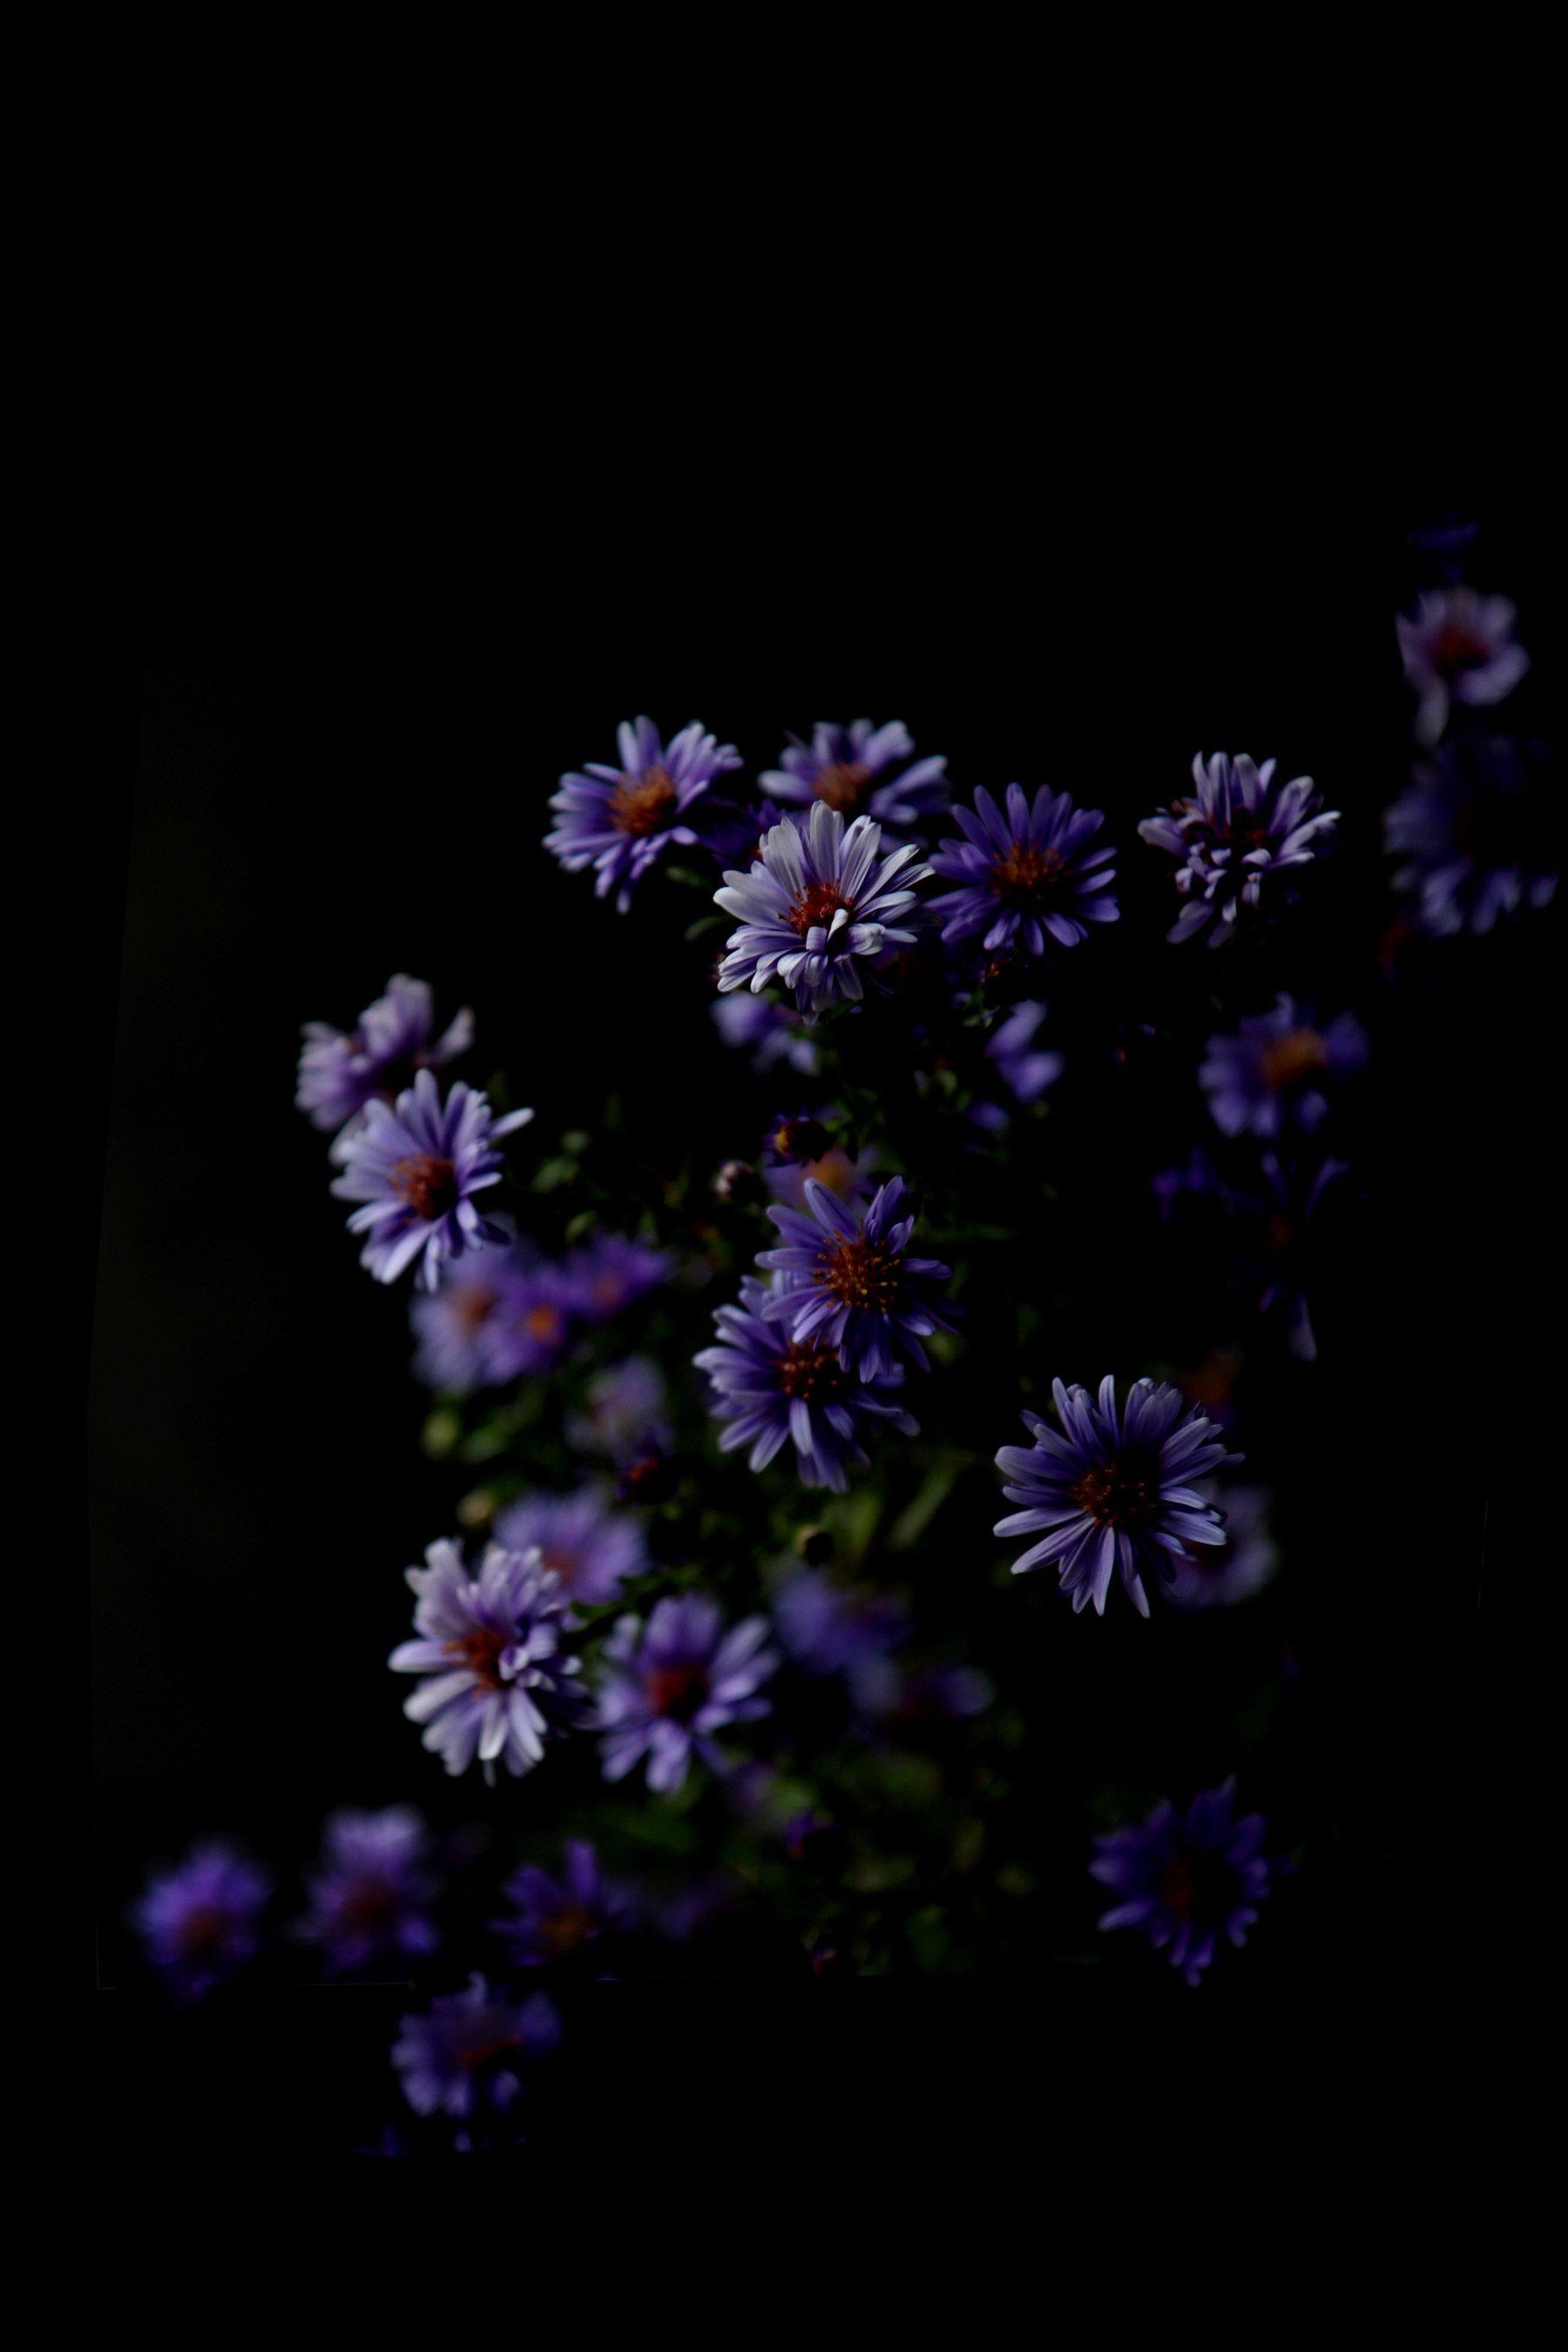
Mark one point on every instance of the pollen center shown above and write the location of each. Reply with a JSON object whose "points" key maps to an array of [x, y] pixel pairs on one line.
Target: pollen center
{"points": [[1028, 879], [643, 803], [841, 783], [481, 1652], [861, 1274], [429, 1184], [677, 1691], [1198, 1887], [1456, 648], [818, 903], [1287, 1060], [810, 1372], [1113, 1495]]}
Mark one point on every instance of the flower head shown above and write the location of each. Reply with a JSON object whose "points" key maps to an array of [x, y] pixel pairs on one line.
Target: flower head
{"points": [[370, 1900], [852, 1286], [1025, 870], [862, 770], [1112, 1490], [1475, 832], [666, 1688], [590, 1549], [465, 2055], [1458, 648], [417, 1168], [1274, 1070], [499, 1313], [1241, 831], [567, 1919], [830, 1628], [611, 1274], [496, 1680], [1186, 1879], [820, 908], [770, 1386], [620, 821], [1218, 1576], [201, 1921], [393, 1039]]}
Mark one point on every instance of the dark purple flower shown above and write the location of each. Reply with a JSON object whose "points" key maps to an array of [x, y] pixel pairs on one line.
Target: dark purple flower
{"points": [[611, 1274], [466, 2054], [588, 1548], [862, 770], [850, 1284], [370, 1900], [1272, 1072], [820, 908], [1113, 1491], [770, 1386], [417, 1167], [341, 1071], [666, 1688], [1458, 648], [1186, 1879], [498, 1314], [1234, 1570], [1023, 871], [553, 1920], [1241, 830], [626, 1412], [620, 821], [830, 1628], [497, 1680], [1478, 831], [201, 1921]]}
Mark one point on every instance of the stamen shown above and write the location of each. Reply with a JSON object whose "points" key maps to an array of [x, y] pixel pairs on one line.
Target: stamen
{"points": [[817, 903], [811, 1372], [481, 1652], [861, 1274], [1289, 1060], [677, 1691], [841, 783], [429, 1184], [1029, 879], [1113, 1495], [642, 804]]}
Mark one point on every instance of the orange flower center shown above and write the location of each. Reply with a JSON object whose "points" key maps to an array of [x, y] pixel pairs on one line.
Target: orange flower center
{"points": [[1289, 1060], [817, 903], [860, 1273], [810, 1371], [1112, 1496], [643, 803], [429, 1184], [1028, 879], [841, 783], [481, 1652], [677, 1691]]}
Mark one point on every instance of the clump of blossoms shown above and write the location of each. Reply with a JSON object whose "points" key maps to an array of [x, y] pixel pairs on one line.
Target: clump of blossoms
{"points": [[820, 910], [1186, 1880], [1458, 648], [862, 770], [371, 1898], [1023, 871], [667, 1687], [1240, 831], [772, 1388], [851, 1285], [1477, 836], [590, 1549], [496, 1681], [393, 1039], [611, 1274], [417, 1168], [1272, 1072], [497, 1314], [575, 1917], [201, 1922], [464, 2056], [620, 821]]}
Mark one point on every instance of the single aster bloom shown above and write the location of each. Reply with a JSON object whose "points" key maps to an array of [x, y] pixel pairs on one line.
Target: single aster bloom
{"points": [[1114, 1489], [851, 1285], [590, 1549], [1234, 1570], [668, 1687], [620, 821], [1186, 1879], [370, 1899], [465, 2055], [770, 1386], [498, 1314], [417, 1167], [1477, 833], [1241, 830], [393, 1039], [201, 1921], [1025, 870], [551, 1920], [496, 1681], [612, 1274], [862, 770], [1458, 648], [1272, 1073], [820, 908]]}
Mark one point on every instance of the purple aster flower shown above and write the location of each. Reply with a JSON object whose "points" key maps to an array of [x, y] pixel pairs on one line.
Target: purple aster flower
{"points": [[1241, 830], [770, 1385], [611, 1274], [666, 1689], [1237, 1568], [620, 821], [830, 1628], [819, 909], [1186, 1879], [625, 1411], [1023, 871], [862, 770], [341, 1071], [497, 1313], [563, 1919], [1476, 831], [852, 1286], [1024, 1069], [371, 1898], [416, 1168], [1113, 1491], [465, 2055], [496, 1681], [201, 1920], [589, 1548], [1458, 648], [1272, 1072], [770, 1032]]}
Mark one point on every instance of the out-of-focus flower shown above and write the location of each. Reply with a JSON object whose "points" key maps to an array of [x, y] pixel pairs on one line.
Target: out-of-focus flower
{"points": [[1024, 1069], [370, 1900], [668, 1687], [625, 1410], [820, 910], [551, 1920], [611, 1274], [1186, 1879], [770, 1032], [620, 821], [851, 1283], [890, 1692], [201, 1921], [1458, 648], [497, 1680], [466, 2054], [1237, 1568], [1241, 831], [417, 1168], [862, 770], [588, 1548], [1274, 1069], [830, 1628], [1023, 871], [1113, 1491], [1477, 830], [770, 1386], [497, 1314], [341, 1070], [800, 1147]]}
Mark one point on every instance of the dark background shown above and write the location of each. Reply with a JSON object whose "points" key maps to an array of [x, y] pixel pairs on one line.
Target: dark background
{"points": [[300, 829]]}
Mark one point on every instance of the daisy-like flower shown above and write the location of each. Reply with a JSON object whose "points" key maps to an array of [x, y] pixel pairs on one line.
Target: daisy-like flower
{"points": [[1024, 870], [497, 1680], [770, 1386], [1241, 831], [620, 821], [850, 1284], [668, 1687], [499, 1313], [1186, 1879], [465, 2055], [612, 1274], [201, 1921], [1272, 1073], [1234, 1570], [370, 1900], [416, 1168], [1458, 648], [589, 1548], [567, 1919], [1476, 833], [862, 770], [820, 908], [1113, 1491], [393, 1039]]}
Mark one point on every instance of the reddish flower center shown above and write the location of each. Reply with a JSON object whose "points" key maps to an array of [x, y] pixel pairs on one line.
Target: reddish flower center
{"points": [[1029, 879], [1198, 1887], [370, 1907], [1456, 648], [677, 1691], [543, 1322], [841, 783], [200, 1931], [429, 1184], [817, 903], [473, 1305], [810, 1372], [481, 1652], [644, 803], [477, 2054], [860, 1273], [564, 1564], [1113, 1495], [1287, 1060], [566, 1930]]}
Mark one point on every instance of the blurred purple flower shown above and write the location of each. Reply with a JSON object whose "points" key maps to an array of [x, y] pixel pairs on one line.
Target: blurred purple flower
{"points": [[498, 1314], [611, 1274], [1478, 830], [830, 1628], [370, 1900], [563, 1919], [201, 1921], [1186, 1879], [1241, 830], [1458, 648], [588, 1548], [862, 770], [1025, 871], [620, 821], [1272, 1071], [465, 2055], [417, 1168], [1235, 1570], [496, 1680], [799, 1148], [773, 1032], [625, 1411], [340, 1071], [666, 1688]]}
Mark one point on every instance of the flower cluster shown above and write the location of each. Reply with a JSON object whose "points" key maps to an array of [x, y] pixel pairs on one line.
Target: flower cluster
{"points": [[1186, 1879]]}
